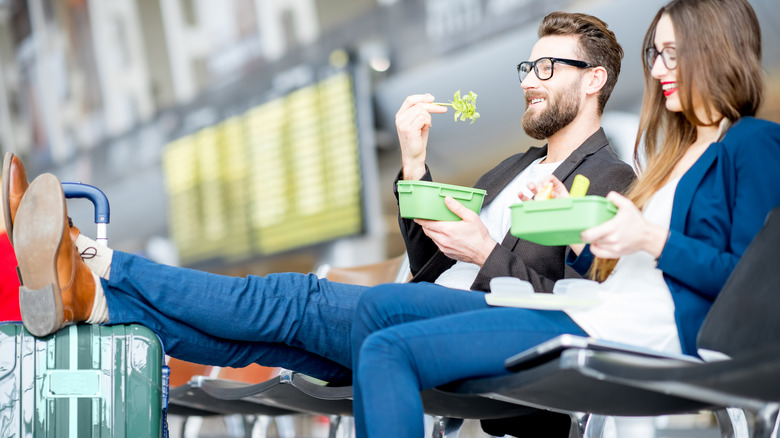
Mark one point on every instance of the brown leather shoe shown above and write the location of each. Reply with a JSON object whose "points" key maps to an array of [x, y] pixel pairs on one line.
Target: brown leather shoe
{"points": [[59, 288], [74, 233], [14, 185]]}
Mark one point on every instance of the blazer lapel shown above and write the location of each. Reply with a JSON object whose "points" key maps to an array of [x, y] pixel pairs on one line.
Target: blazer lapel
{"points": [[691, 180], [689, 184], [495, 180], [592, 145]]}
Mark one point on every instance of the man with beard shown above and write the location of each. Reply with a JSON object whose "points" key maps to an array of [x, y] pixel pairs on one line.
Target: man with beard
{"points": [[575, 66], [298, 321]]}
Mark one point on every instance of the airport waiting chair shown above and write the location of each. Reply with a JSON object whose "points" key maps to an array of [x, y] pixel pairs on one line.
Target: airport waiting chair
{"points": [[573, 374], [179, 374], [188, 399], [393, 270], [282, 392]]}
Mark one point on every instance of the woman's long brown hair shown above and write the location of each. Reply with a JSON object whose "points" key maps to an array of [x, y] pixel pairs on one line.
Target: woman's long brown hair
{"points": [[718, 45]]}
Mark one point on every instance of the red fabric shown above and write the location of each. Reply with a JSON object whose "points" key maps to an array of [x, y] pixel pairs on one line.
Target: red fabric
{"points": [[9, 282]]}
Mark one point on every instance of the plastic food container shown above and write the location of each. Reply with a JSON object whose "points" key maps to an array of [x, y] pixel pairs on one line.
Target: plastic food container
{"points": [[559, 221], [425, 200]]}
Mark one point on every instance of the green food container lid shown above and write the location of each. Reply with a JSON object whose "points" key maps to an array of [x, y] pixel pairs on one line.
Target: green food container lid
{"points": [[559, 221], [425, 200]]}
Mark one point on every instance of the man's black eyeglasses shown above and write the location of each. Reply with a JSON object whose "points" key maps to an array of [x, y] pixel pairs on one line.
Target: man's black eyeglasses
{"points": [[544, 67], [668, 57]]}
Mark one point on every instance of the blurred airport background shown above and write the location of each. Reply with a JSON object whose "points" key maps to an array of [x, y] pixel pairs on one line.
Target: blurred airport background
{"points": [[251, 136]]}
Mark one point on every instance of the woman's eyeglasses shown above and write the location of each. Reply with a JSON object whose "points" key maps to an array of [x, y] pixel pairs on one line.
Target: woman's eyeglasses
{"points": [[668, 57], [544, 67]]}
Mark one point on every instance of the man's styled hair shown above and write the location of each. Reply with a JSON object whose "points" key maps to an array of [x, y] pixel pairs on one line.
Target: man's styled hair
{"points": [[597, 44]]}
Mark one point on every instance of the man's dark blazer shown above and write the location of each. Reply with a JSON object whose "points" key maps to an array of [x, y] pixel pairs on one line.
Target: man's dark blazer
{"points": [[541, 265]]}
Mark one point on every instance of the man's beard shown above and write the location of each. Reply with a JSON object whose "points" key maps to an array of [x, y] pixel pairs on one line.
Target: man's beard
{"points": [[561, 109]]}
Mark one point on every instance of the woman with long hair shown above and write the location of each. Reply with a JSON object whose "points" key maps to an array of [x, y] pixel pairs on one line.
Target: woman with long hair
{"points": [[703, 194]]}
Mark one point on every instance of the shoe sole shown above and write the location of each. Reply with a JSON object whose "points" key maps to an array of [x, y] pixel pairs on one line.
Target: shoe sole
{"points": [[40, 222], [9, 226]]}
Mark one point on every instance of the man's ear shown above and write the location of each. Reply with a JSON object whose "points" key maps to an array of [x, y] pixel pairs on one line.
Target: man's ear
{"points": [[598, 77]]}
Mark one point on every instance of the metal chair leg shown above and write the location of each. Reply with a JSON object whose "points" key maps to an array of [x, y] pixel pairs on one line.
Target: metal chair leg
{"points": [[346, 427], [438, 427], [595, 426], [260, 426], [732, 423], [579, 421], [335, 421], [446, 427], [452, 427], [235, 425], [285, 426], [191, 427], [766, 420]]}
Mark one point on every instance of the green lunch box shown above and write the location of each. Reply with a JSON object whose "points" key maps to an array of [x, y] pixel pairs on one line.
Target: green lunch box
{"points": [[82, 381], [559, 221], [425, 200]]}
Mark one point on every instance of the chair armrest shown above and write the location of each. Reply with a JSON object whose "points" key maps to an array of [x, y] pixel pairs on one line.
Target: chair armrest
{"points": [[553, 349]]}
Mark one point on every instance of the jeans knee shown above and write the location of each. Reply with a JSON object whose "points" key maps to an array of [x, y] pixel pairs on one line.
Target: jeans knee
{"points": [[371, 315], [375, 297], [375, 304], [380, 349]]}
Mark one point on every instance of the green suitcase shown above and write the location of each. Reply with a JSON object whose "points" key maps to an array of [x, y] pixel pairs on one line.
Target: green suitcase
{"points": [[82, 381]]}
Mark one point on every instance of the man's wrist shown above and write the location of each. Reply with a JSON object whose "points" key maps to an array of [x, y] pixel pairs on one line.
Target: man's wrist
{"points": [[485, 254], [413, 171]]}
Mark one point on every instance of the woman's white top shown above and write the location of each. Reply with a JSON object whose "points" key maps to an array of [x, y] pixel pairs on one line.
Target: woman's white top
{"points": [[497, 218], [637, 306]]}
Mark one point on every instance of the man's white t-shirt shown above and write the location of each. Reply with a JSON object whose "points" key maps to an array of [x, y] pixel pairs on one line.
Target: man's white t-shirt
{"points": [[497, 218]]}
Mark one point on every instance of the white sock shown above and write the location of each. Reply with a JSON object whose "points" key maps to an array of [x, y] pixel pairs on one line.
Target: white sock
{"points": [[99, 313], [96, 256]]}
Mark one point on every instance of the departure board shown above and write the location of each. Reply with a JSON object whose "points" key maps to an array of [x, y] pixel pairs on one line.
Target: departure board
{"points": [[284, 174]]}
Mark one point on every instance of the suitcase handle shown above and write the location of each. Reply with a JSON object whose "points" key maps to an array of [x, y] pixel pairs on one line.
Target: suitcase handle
{"points": [[98, 199]]}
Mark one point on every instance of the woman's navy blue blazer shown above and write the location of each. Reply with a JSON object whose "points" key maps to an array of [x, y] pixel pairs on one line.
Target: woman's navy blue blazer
{"points": [[719, 206]]}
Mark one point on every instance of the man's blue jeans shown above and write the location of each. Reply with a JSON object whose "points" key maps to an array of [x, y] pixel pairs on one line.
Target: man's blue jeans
{"points": [[411, 337], [290, 320]]}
